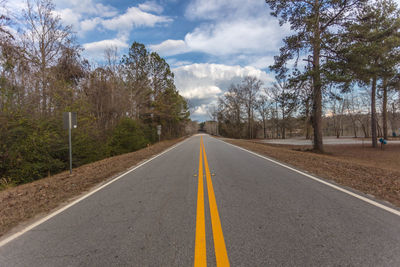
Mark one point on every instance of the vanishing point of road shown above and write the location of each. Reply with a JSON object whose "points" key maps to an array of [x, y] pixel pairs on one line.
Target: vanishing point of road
{"points": [[206, 202]]}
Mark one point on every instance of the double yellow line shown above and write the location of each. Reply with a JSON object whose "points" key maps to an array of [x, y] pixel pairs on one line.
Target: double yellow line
{"points": [[200, 255]]}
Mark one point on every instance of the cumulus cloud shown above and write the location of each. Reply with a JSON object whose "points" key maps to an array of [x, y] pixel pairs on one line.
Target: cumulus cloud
{"points": [[202, 92], [170, 47], [200, 111], [241, 36], [69, 17], [133, 17], [89, 24], [87, 15], [231, 31], [251, 36], [96, 49], [202, 84]]}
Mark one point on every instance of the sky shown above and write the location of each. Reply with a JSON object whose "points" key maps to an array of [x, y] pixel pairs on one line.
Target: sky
{"points": [[209, 44]]}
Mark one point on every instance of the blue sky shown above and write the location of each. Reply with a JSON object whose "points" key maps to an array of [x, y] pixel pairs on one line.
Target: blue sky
{"points": [[209, 44]]}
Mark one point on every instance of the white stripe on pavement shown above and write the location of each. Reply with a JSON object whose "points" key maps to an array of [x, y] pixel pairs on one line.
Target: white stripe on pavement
{"points": [[48, 217], [370, 201]]}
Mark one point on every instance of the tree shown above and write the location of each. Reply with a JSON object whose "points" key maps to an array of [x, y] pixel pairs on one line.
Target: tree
{"points": [[42, 44], [286, 102], [135, 69], [263, 106], [230, 112], [249, 90], [315, 22], [370, 49]]}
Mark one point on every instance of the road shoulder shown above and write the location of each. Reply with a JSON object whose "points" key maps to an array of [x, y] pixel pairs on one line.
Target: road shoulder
{"points": [[381, 183]]}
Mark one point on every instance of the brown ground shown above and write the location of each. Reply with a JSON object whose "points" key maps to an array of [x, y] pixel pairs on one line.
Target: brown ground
{"points": [[369, 170], [26, 201]]}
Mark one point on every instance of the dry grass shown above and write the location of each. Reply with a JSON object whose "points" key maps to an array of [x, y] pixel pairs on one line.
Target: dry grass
{"points": [[18, 204], [369, 170]]}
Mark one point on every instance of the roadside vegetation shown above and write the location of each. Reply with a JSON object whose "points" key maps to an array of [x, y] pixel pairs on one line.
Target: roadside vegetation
{"points": [[338, 74], [43, 74]]}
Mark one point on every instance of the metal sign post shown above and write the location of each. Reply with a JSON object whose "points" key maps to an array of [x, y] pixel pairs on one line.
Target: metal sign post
{"points": [[159, 132], [70, 121]]}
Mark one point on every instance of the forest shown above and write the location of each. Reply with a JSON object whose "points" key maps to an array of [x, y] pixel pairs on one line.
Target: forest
{"points": [[43, 74], [337, 74]]}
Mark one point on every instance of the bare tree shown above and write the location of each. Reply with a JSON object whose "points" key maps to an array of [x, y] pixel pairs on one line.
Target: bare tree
{"points": [[286, 102], [250, 88], [42, 44], [263, 107]]}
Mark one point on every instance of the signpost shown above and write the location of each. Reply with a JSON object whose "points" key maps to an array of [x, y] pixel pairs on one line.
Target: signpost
{"points": [[70, 121], [159, 132]]}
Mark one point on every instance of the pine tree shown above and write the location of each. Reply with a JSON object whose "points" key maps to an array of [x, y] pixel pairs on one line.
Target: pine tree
{"points": [[315, 22], [369, 49]]}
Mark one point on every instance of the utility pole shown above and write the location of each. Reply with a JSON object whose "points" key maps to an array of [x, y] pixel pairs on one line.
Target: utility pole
{"points": [[70, 121], [70, 141]]}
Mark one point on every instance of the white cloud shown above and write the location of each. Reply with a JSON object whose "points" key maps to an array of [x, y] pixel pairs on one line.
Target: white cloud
{"points": [[174, 63], [69, 17], [151, 6], [89, 24], [88, 7], [170, 47], [220, 9], [133, 17], [96, 49], [233, 32], [202, 84], [240, 36], [87, 15], [202, 92], [200, 110], [252, 39]]}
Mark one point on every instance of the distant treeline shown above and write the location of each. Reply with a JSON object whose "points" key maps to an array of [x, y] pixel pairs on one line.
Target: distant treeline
{"points": [[43, 74]]}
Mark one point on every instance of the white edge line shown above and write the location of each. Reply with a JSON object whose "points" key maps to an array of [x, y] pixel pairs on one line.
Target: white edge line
{"points": [[394, 211], [51, 215]]}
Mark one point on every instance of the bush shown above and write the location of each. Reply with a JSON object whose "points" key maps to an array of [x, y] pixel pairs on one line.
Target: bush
{"points": [[128, 136], [28, 151]]}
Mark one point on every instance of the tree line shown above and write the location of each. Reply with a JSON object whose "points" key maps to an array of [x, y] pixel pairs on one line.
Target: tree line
{"points": [[339, 51], [43, 74]]}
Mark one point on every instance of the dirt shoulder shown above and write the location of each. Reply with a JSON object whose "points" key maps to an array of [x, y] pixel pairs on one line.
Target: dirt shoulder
{"points": [[24, 202], [369, 170]]}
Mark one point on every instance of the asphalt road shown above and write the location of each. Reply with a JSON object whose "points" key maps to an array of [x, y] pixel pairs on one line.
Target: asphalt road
{"points": [[252, 213]]}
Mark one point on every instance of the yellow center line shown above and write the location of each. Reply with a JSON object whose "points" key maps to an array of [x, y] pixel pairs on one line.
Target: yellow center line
{"points": [[219, 243], [200, 256]]}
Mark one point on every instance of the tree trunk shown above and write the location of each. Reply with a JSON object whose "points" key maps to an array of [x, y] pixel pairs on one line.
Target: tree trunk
{"points": [[265, 128], [317, 87], [384, 110], [308, 120], [248, 122], [379, 129], [373, 113]]}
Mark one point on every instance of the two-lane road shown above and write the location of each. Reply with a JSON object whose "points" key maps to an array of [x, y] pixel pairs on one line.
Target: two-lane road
{"points": [[204, 202]]}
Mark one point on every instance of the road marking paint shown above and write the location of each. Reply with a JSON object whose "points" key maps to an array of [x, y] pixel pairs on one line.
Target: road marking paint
{"points": [[200, 254], [219, 243], [365, 199], [51, 215]]}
